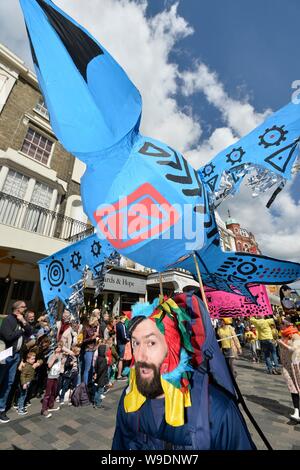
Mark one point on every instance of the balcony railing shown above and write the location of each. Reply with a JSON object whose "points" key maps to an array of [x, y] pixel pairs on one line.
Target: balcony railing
{"points": [[81, 235], [24, 215]]}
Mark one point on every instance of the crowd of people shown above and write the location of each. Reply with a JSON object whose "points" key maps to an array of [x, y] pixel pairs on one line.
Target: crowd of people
{"points": [[51, 361], [54, 362], [273, 340]]}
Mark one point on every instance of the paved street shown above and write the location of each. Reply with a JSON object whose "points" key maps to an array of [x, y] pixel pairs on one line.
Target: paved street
{"points": [[85, 428], [269, 401]]}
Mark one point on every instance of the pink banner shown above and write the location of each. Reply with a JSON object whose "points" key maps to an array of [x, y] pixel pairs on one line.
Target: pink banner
{"points": [[223, 304]]}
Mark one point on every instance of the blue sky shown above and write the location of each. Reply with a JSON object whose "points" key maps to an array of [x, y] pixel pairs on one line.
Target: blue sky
{"points": [[208, 71], [253, 45]]}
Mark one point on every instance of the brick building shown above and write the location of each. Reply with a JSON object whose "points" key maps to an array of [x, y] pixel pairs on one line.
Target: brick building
{"points": [[40, 204], [227, 237], [244, 240]]}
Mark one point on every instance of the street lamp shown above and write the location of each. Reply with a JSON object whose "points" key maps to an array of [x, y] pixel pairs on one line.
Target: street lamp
{"points": [[8, 278]]}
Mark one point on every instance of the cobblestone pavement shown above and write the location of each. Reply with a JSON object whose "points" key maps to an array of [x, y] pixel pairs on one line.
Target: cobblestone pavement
{"points": [[266, 396], [269, 401]]}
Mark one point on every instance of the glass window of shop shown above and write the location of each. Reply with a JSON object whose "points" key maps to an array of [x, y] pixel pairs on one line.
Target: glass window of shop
{"points": [[127, 300]]}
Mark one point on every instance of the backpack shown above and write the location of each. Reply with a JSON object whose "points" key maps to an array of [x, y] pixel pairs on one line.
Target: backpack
{"points": [[67, 373], [210, 362], [211, 359], [214, 364], [80, 396]]}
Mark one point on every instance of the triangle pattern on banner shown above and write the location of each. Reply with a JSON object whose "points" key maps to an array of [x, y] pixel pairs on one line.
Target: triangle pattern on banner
{"points": [[212, 182], [233, 172], [152, 150], [280, 159]]}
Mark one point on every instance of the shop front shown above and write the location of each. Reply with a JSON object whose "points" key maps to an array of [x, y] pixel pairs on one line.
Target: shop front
{"points": [[173, 281], [122, 289]]}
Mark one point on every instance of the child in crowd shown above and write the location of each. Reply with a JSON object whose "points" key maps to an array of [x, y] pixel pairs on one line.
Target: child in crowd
{"points": [[251, 340], [70, 374], [27, 376], [100, 375], [54, 366], [112, 369]]}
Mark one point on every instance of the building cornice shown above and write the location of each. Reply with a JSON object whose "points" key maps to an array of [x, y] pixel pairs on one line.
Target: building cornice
{"points": [[13, 159], [18, 65], [41, 123]]}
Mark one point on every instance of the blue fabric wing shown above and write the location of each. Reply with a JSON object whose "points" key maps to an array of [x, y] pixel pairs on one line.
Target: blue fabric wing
{"points": [[149, 209], [271, 149], [91, 101], [62, 270], [235, 272], [136, 189]]}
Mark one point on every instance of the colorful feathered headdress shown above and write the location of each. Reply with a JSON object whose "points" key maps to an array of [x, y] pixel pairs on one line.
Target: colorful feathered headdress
{"points": [[184, 334]]}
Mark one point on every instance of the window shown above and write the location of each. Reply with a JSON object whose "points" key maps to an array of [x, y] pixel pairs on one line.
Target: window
{"points": [[37, 146], [7, 82], [42, 195], [40, 108], [37, 218], [244, 233], [10, 209], [15, 184], [3, 81]]}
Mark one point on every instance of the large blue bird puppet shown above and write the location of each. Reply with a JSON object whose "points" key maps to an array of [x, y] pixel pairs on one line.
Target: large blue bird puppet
{"points": [[141, 194]]}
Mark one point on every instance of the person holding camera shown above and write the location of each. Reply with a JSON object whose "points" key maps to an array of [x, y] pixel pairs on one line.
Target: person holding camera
{"points": [[13, 330]]}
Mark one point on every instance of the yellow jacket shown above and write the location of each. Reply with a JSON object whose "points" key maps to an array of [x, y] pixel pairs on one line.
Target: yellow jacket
{"points": [[263, 328], [250, 337], [224, 332]]}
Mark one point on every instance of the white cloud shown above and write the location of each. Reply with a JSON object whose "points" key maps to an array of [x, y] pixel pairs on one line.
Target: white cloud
{"points": [[12, 30], [277, 231], [240, 116], [142, 46], [221, 138]]}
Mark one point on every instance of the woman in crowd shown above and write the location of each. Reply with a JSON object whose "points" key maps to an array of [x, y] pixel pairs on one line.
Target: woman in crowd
{"points": [[229, 342], [89, 345], [291, 365]]}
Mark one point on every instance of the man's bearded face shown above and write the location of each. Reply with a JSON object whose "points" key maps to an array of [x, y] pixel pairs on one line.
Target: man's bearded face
{"points": [[148, 379], [149, 350]]}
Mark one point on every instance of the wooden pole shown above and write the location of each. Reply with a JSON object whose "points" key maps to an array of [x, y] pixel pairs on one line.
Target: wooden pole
{"points": [[200, 281], [161, 286]]}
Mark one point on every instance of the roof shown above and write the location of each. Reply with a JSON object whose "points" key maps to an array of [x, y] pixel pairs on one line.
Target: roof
{"points": [[231, 221]]}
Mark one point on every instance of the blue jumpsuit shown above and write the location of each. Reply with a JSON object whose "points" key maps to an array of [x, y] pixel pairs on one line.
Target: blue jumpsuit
{"points": [[146, 429]]}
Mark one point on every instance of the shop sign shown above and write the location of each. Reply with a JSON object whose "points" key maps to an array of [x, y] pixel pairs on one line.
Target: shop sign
{"points": [[117, 283]]}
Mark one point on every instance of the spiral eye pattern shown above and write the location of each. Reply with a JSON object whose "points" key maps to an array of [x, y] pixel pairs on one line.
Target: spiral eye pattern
{"points": [[56, 273], [246, 268]]}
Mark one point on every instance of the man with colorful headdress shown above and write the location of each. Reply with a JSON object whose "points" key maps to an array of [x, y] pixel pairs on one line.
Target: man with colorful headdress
{"points": [[179, 394]]}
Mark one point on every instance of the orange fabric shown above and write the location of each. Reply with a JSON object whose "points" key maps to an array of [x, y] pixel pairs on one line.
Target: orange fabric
{"points": [[290, 330], [127, 353]]}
